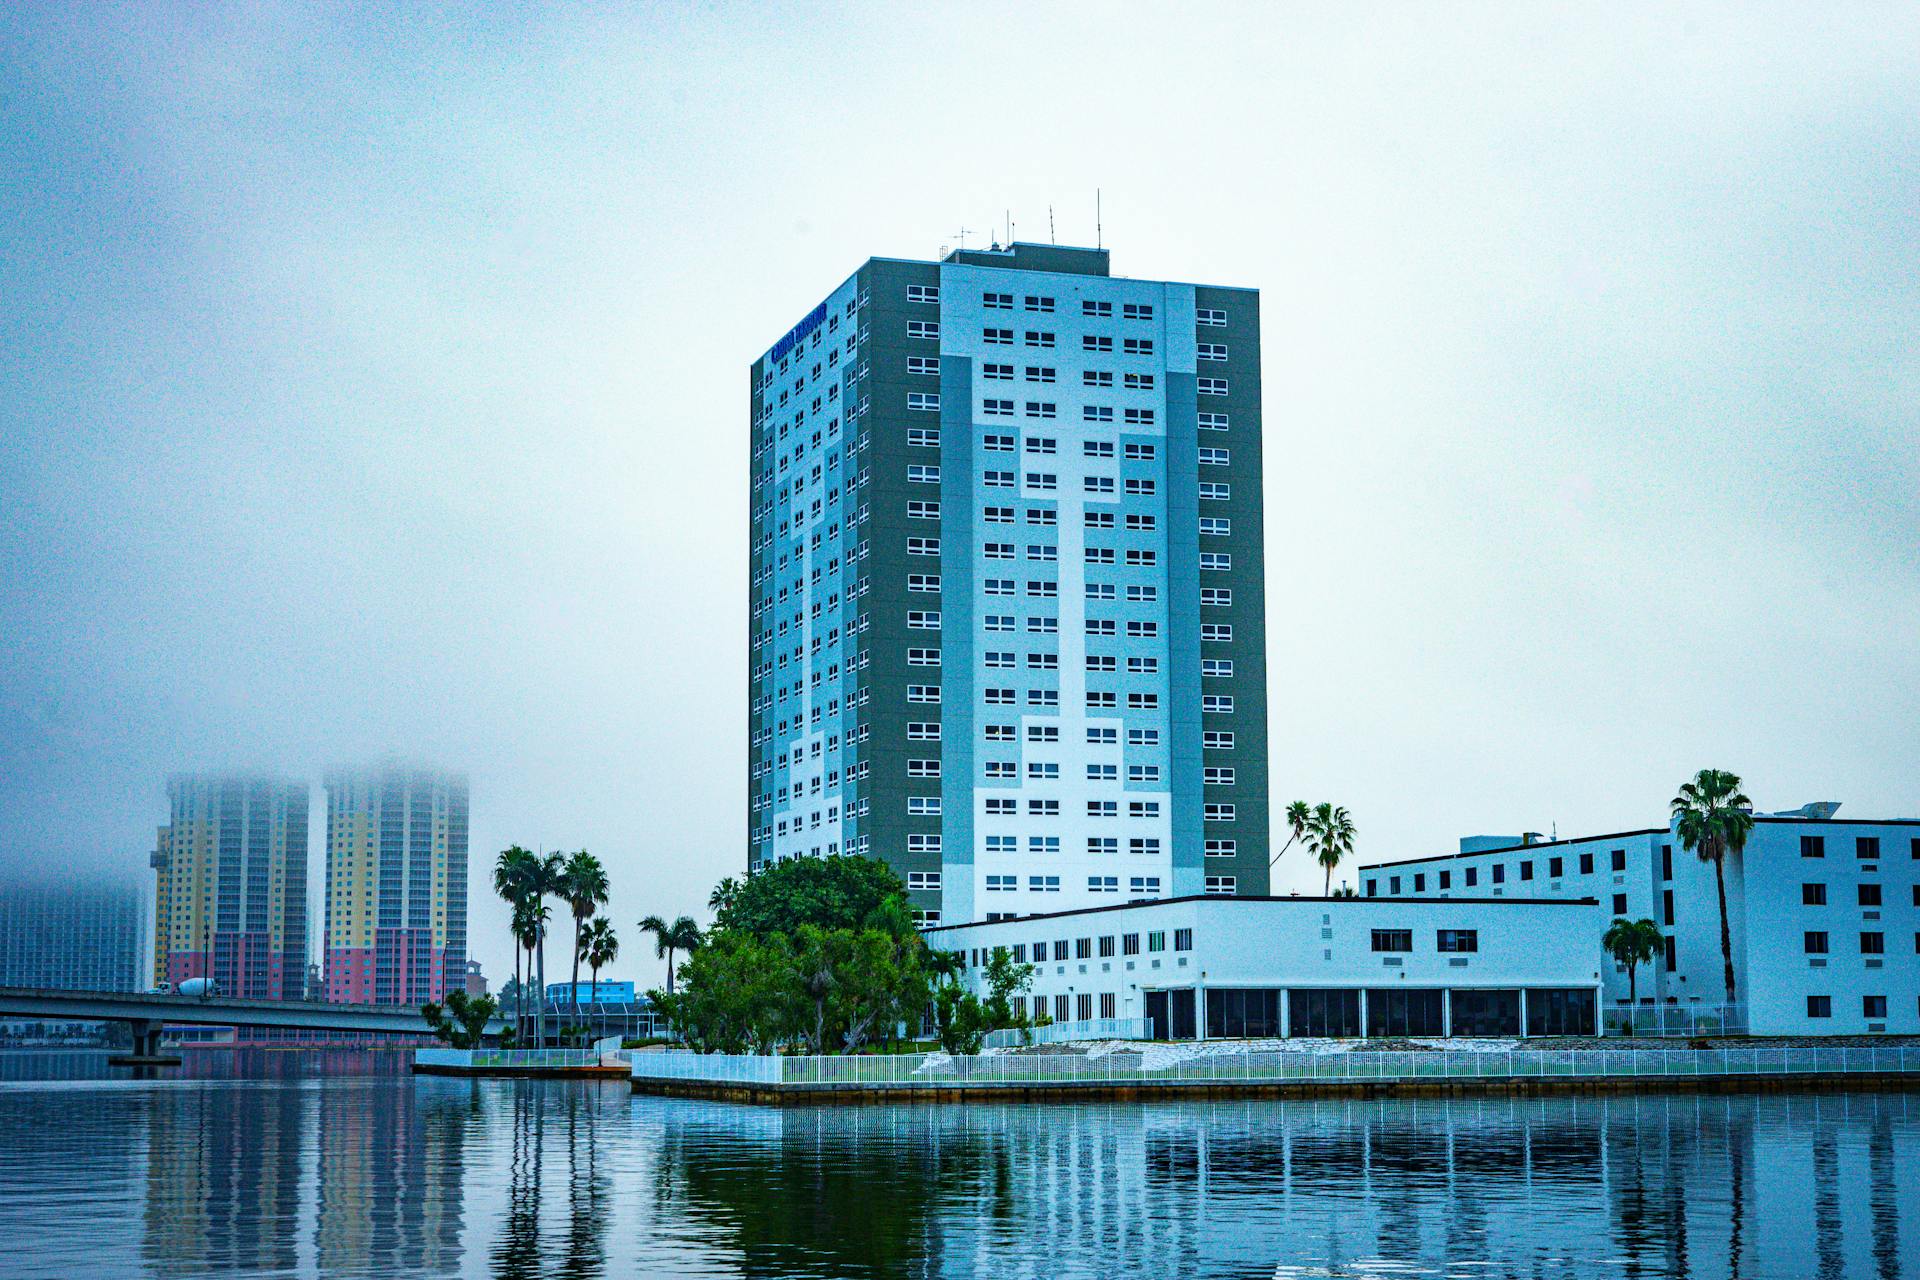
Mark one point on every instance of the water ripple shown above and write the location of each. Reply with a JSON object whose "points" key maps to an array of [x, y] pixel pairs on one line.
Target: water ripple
{"points": [[308, 1165]]}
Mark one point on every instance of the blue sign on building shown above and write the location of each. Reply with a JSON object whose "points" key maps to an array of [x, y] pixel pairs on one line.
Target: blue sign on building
{"points": [[815, 318]]}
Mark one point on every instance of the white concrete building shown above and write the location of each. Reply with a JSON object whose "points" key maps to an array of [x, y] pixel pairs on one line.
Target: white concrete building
{"points": [[1824, 914], [1203, 966]]}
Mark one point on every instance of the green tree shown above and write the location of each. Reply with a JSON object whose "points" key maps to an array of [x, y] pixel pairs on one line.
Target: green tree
{"points": [[962, 1019], [1329, 835], [1297, 815], [820, 952], [881, 980], [816, 970], [829, 990], [841, 892], [893, 917], [946, 965], [1714, 817], [1632, 943], [849, 984], [738, 994], [462, 1021], [1005, 979], [603, 948], [516, 872], [682, 935], [959, 1019], [583, 883]]}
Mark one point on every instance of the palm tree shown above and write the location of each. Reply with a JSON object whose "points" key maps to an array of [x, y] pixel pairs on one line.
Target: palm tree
{"points": [[1297, 815], [513, 874], [1329, 834], [603, 948], [1632, 943], [723, 893], [682, 935], [1713, 818], [583, 883], [503, 886], [946, 965], [552, 882], [529, 918]]}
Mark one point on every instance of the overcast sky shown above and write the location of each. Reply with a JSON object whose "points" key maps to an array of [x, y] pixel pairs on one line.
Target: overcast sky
{"points": [[377, 383]]}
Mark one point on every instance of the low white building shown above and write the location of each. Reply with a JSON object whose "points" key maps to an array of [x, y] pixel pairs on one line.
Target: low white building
{"points": [[1823, 913], [1199, 967]]}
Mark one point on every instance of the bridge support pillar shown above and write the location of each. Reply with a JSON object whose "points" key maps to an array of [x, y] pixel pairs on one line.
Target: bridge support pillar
{"points": [[146, 1051]]}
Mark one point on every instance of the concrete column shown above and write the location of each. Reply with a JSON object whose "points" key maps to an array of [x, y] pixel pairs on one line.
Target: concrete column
{"points": [[1286, 1012], [1363, 1011], [1523, 1013], [1446, 1011], [1200, 1008], [146, 1038]]}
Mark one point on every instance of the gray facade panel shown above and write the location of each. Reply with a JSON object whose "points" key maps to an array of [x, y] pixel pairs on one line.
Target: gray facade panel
{"points": [[1251, 829], [886, 461], [957, 637], [1183, 635]]}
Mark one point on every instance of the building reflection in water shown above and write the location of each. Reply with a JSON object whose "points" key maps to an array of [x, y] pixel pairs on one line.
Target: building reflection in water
{"points": [[404, 1177], [1711, 1185], [224, 1167], [391, 1180], [301, 1162]]}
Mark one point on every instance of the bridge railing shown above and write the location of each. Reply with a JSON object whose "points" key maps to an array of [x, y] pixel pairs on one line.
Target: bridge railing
{"points": [[210, 1010]]}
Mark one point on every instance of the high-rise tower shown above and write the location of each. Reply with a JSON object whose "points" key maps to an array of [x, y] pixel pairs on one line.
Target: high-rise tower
{"points": [[396, 885], [71, 933], [230, 894], [1006, 596]]}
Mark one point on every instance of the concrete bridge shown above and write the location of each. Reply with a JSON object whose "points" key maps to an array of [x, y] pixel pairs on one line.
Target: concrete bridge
{"points": [[147, 1013]]}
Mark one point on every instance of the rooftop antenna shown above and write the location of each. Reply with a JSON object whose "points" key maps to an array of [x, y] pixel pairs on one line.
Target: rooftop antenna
{"points": [[1098, 241], [1050, 239], [963, 237]]}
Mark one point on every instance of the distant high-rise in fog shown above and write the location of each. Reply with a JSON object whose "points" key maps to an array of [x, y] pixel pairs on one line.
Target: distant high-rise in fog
{"points": [[70, 936], [230, 886], [396, 885]]}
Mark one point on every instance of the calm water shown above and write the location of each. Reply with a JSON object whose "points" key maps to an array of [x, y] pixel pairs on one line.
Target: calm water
{"points": [[342, 1165]]}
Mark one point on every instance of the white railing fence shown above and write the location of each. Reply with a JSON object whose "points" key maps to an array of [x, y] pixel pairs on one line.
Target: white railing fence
{"points": [[610, 1052], [1000, 1070], [1674, 1020], [1062, 1032], [542, 1059], [719, 1068]]}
